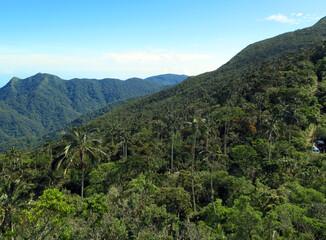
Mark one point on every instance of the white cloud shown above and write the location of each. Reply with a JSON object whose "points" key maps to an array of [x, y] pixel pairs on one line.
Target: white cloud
{"points": [[62, 60], [282, 18], [295, 18], [311, 17], [154, 57], [122, 64], [7, 72]]}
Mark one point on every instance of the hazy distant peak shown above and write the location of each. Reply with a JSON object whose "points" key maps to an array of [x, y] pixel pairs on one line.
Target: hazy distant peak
{"points": [[15, 79], [44, 75], [167, 79]]}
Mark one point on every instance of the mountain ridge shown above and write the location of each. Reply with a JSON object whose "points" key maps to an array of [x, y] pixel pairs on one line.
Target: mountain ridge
{"points": [[213, 84], [47, 102], [276, 45]]}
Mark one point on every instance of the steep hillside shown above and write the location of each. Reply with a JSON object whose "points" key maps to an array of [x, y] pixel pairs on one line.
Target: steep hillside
{"points": [[83, 119], [43, 103], [231, 79], [270, 48], [223, 155]]}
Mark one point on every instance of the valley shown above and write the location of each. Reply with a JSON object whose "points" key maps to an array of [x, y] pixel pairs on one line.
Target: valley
{"points": [[42, 104]]}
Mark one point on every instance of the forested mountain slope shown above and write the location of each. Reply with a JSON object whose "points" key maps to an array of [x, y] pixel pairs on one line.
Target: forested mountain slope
{"points": [[270, 48], [230, 81], [247, 123], [223, 155], [42, 103]]}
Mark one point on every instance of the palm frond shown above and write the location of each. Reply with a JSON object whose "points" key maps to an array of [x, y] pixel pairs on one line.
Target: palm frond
{"points": [[69, 163], [56, 162], [67, 148]]}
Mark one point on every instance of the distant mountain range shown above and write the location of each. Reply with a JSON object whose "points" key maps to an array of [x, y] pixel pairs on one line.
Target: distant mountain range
{"points": [[43, 103]]}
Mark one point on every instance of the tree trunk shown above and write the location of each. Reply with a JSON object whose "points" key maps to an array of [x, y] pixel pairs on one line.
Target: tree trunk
{"points": [[172, 152], [125, 148], [82, 183], [192, 171], [226, 132], [211, 166], [212, 190], [82, 158], [227, 128], [269, 146], [11, 223]]}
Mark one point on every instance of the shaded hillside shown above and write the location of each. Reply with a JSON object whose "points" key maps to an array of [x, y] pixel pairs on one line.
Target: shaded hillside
{"points": [[43, 103], [167, 79], [83, 119], [87, 117]]}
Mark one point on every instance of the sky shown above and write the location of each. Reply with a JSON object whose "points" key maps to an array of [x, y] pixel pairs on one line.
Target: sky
{"points": [[138, 38]]}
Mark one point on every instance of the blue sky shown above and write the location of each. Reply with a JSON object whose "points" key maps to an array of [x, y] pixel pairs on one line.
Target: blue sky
{"points": [[123, 39]]}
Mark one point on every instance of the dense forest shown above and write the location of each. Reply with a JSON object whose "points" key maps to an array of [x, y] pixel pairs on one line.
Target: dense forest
{"points": [[36, 106], [223, 155]]}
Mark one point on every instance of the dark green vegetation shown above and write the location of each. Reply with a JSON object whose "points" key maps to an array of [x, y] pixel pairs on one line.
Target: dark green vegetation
{"points": [[224, 155], [41, 104]]}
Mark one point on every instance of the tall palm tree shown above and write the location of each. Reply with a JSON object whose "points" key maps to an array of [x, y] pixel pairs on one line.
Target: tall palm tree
{"points": [[13, 190], [80, 144], [11, 198]]}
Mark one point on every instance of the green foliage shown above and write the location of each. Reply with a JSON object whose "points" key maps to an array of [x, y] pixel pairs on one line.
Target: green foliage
{"points": [[303, 196], [223, 155], [245, 221], [43, 103], [49, 215], [53, 201], [245, 158], [291, 222], [101, 178], [94, 209], [176, 200], [80, 145]]}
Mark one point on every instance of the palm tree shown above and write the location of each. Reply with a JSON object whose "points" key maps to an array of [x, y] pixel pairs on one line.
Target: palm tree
{"points": [[272, 130], [194, 125], [80, 144], [12, 193], [13, 190]]}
